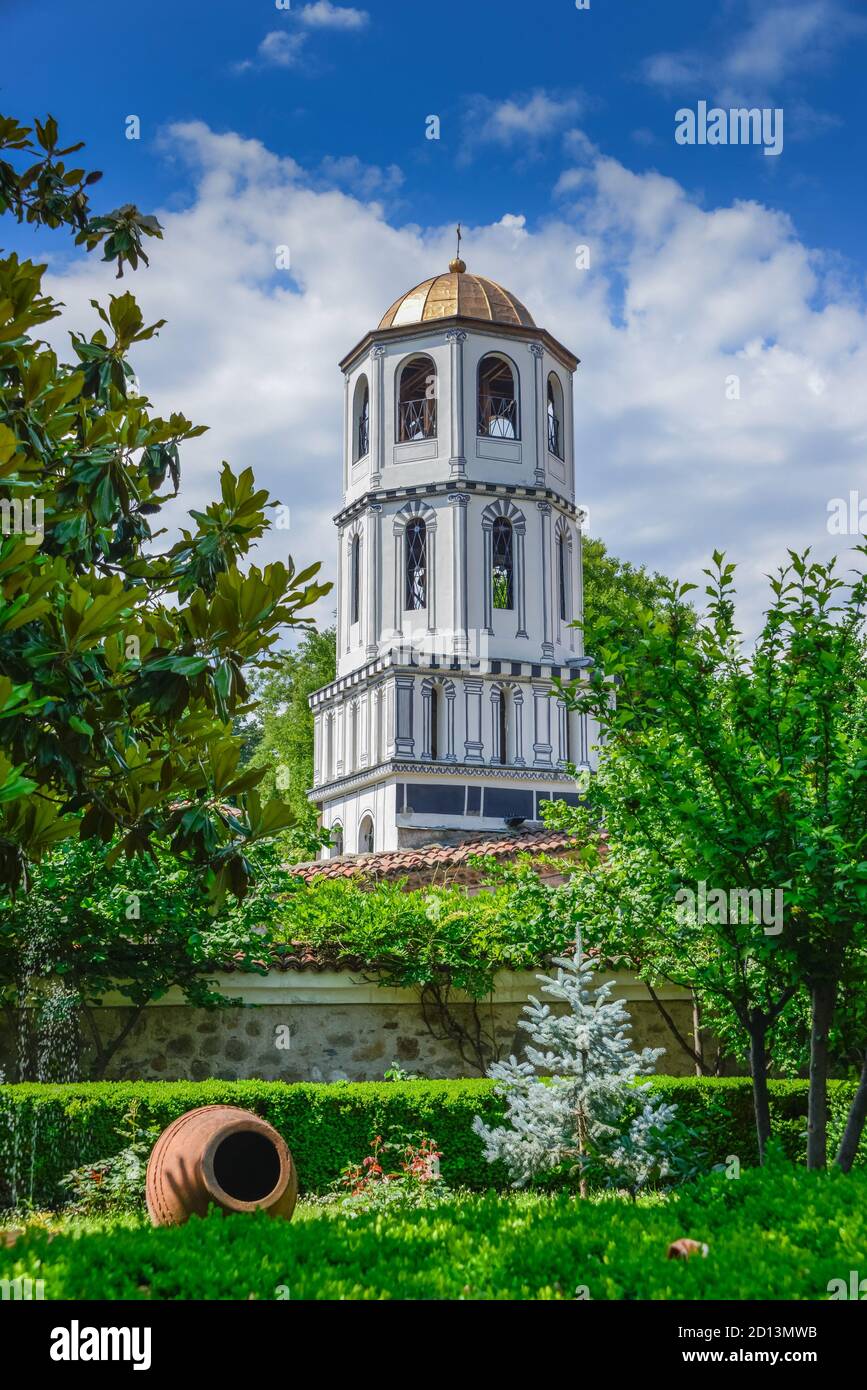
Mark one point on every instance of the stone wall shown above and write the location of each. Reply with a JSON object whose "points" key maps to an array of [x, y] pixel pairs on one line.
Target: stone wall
{"points": [[307, 1026]]}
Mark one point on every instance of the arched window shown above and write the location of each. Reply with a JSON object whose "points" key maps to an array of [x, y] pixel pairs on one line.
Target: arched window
{"points": [[555, 416], [365, 836], [355, 580], [502, 568], [498, 400], [561, 578], [336, 839], [417, 400], [415, 564], [361, 419]]}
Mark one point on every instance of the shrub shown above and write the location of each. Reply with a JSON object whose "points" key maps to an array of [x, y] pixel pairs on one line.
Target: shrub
{"points": [[777, 1233], [47, 1130]]}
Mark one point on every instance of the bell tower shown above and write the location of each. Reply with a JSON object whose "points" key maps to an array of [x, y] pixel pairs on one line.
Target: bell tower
{"points": [[459, 575]]}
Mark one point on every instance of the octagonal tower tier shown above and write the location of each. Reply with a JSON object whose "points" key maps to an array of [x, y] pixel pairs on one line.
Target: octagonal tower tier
{"points": [[459, 575]]}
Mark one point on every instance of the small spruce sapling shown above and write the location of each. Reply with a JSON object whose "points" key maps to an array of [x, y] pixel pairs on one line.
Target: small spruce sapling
{"points": [[577, 1099]]}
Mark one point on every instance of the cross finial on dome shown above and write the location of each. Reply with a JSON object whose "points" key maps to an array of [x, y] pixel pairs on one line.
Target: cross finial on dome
{"points": [[457, 266]]}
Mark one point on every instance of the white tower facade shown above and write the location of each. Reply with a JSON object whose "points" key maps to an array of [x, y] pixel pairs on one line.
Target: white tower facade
{"points": [[459, 576]]}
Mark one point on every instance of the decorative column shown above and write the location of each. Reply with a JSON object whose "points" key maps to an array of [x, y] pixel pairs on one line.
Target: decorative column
{"points": [[498, 699], [317, 749], [541, 405], [374, 579], [398, 580], [347, 589], [519, 532], [404, 737], [562, 733], [377, 422], [426, 722], [569, 443], [488, 575], [451, 756], [456, 337], [458, 502], [348, 449], [473, 745], [518, 707], [542, 746], [545, 518], [431, 533], [341, 604]]}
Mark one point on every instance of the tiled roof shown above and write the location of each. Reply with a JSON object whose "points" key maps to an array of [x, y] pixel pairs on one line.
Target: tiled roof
{"points": [[428, 860], [297, 955]]}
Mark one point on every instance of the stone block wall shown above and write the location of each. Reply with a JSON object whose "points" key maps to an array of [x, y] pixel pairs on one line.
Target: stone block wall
{"points": [[329, 1027]]}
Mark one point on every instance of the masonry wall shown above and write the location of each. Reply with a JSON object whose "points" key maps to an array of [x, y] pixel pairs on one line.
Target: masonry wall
{"points": [[330, 1027]]}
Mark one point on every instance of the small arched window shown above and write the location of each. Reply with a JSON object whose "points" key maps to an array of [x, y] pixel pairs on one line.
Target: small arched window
{"points": [[417, 401], [361, 419], [498, 400], [561, 579], [336, 839], [502, 567], [355, 580], [415, 564], [365, 836], [555, 416]]}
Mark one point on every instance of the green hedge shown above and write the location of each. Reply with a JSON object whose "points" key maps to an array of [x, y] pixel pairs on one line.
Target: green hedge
{"points": [[47, 1130], [776, 1233]]}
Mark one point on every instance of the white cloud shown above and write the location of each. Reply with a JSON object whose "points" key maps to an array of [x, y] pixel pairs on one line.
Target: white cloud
{"points": [[367, 180], [324, 15], [280, 49], [676, 301], [749, 61], [523, 121], [287, 48]]}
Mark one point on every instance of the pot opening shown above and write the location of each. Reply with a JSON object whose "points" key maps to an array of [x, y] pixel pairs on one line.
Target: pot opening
{"points": [[247, 1165]]}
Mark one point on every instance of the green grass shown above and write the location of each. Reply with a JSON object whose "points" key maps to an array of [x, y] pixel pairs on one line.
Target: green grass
{"points": [[781, 1233]]}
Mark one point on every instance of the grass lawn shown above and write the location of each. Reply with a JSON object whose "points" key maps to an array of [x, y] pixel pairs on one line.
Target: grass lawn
{"points": [[780, 1233]]}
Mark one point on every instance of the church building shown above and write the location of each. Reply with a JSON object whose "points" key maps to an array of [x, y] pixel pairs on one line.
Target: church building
{"points": [[459, 577]]}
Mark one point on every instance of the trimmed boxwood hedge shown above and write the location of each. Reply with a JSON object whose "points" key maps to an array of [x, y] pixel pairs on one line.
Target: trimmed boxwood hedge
{"points": [[46, 1130], [776, 1233]]}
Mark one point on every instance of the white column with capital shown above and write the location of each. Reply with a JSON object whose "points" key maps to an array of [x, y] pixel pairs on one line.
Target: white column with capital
{"points": [[456, 337], [541, 407], [374, 567], [377, 423], [545, 520], [458, 502]]}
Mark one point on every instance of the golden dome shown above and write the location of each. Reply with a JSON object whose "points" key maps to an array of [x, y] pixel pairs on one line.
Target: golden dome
{"points": [[457, 294]]}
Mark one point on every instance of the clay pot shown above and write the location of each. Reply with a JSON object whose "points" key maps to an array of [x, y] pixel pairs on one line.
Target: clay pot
{"points": [[219, 1156]]}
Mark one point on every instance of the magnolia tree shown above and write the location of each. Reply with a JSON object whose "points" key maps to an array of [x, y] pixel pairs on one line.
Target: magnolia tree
{"points": [[732, 789], [123, 663], [578, 1099]]}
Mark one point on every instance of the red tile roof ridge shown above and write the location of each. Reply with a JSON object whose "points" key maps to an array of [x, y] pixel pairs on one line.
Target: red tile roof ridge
{"points": [[386, 862]]}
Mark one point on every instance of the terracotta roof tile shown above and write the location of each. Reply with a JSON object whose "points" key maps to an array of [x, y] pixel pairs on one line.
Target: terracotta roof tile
{"points": [[398, 863]]}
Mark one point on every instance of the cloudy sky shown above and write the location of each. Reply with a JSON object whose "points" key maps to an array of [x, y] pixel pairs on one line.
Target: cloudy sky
{"points": [[720, 322]]}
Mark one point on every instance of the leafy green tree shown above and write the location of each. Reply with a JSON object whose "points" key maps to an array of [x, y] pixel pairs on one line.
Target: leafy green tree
{"points": [[285, 747], [609, 583], [122, 666], [88, 928], [746, 772]]}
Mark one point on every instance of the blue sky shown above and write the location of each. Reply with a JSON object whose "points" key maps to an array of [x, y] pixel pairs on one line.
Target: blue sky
{"points": [[261, 125], [364, 87]]}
